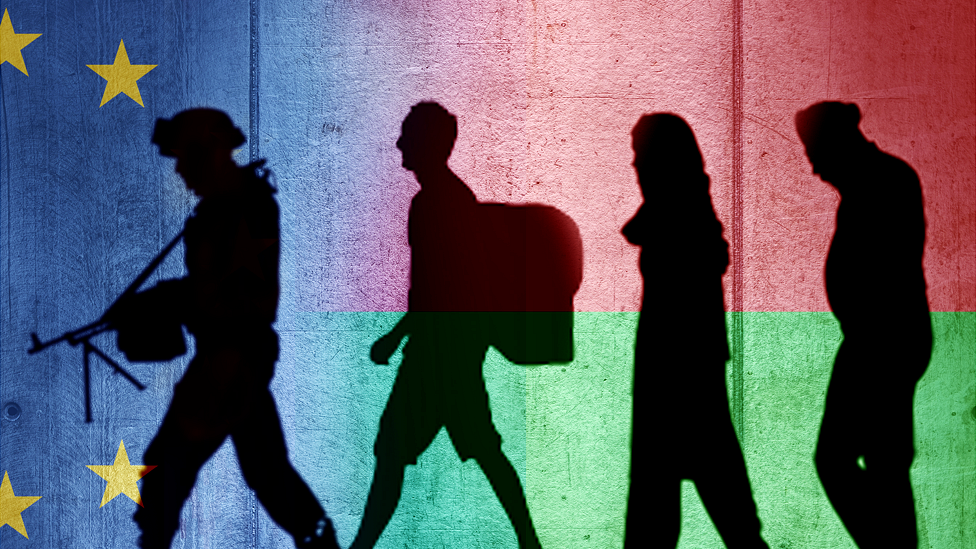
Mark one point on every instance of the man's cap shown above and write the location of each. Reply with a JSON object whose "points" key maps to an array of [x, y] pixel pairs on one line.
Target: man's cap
{"points": [[198, 129]]}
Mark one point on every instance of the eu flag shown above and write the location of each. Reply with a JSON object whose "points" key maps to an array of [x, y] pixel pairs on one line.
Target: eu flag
{"points": [[546, 93]]}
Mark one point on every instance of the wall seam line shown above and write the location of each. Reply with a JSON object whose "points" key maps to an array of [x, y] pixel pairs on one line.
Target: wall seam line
{"points": [[254, 154], [738, 354]]}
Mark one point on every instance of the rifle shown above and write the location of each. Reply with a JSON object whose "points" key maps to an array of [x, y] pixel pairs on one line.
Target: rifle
{"points": [[105, 323]]}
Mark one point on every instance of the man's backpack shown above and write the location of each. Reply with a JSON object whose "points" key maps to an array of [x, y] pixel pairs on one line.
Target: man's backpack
{"points": [[535, 260]]}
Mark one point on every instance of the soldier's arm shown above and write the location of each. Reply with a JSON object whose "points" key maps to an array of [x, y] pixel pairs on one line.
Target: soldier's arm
{"points": [[167, 298]]}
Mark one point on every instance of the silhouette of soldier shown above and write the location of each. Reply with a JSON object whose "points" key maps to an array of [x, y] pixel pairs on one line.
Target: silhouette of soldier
{"points": [[439, 383], [876, 289], [228, 300], [682, 428]]}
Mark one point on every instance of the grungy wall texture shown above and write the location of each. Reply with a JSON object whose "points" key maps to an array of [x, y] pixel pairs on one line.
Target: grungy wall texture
{"points": [[909, 67], [546, 93]]}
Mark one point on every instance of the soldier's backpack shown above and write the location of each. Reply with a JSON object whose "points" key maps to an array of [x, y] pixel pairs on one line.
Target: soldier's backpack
{"points": [[535, 260], [149, 324]]}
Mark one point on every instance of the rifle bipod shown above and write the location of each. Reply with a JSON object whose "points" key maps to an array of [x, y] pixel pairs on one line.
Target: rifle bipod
{"points": [[85, 333], [88, 349]]}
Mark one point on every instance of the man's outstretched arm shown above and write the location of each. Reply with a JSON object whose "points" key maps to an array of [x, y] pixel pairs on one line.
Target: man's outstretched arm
{"points": [[385, 346]]}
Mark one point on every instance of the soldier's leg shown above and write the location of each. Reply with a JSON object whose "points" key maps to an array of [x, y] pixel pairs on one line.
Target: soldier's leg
{"points": [[263, 457], [178, 457]]}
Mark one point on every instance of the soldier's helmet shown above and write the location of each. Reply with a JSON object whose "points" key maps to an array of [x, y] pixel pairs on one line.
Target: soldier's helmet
{"points": [[198, 130]]}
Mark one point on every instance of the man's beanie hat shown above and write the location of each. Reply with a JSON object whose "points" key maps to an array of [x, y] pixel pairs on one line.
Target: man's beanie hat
{"points": [[828, 118]]}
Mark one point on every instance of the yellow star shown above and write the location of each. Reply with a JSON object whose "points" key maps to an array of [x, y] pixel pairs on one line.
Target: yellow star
{"points": [[121, 76], [121, 477], [12, 506], [11, 43]]}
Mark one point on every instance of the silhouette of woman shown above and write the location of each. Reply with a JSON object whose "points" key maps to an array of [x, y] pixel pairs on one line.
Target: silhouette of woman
{"points": [[876, 288], [682, 428]]}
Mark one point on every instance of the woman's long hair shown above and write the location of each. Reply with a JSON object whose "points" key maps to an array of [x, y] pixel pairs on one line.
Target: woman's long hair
{"points": [[664, 143], [677, 218]]}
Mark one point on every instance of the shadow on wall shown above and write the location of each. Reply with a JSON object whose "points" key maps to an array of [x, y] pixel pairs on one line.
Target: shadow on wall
{"points": [[228, 300], [876, 289], [682, 428], [481, 274]]}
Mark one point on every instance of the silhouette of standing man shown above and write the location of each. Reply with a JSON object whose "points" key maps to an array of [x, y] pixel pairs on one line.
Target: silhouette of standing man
{"points": [[440, 381], [682, 428], [228, 301], [876, 288]]}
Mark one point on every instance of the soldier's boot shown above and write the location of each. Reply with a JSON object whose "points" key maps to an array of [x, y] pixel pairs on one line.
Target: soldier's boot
{"points": [[322, 537]]}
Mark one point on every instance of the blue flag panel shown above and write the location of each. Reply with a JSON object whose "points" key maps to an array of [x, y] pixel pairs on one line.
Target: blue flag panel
{"points": [[87, 202]]}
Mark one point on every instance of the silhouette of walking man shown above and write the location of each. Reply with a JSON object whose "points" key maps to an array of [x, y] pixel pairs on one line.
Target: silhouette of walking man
{"points": [[228, 301], [876, 288], [440, 381], [682, 428]]}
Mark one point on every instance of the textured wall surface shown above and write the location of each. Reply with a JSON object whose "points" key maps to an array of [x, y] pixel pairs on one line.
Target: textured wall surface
{"points": [[546, 93]]}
